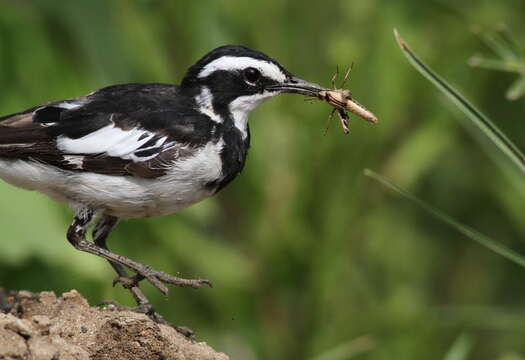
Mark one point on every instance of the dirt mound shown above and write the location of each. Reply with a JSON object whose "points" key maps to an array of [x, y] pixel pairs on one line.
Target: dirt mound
{"points": [[45, 327]]}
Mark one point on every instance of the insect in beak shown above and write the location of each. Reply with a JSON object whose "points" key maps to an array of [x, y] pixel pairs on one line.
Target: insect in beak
{"points": [[343, 102], [340, 99]]}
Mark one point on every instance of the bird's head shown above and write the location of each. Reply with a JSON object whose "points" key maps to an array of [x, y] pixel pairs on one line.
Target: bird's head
{"points": [[237, 79]]}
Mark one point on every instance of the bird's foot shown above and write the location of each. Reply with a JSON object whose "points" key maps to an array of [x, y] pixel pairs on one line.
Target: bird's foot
{"points": [[128, 282], [148, 310], [158, 279]]}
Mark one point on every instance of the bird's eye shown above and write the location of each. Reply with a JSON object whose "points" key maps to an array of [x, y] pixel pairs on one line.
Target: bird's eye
{"points": [[252, 75]]}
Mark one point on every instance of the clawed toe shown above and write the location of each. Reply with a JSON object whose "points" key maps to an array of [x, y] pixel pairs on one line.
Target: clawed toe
{"points": [[127, 281], [169, 279], [155, 316], [148, 310], [158, 279], [184, 330]]}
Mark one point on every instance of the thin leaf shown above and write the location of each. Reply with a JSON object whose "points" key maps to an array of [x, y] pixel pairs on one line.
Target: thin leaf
{"points": [[498, 65], [509, 37], [511, 356], [496, 42], [463, 229], [348, 349], [461, 348], [517, 89], [487, 127]]}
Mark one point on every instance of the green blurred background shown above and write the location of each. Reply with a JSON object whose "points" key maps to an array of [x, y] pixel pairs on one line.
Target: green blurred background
{"points": [[310, 259]]}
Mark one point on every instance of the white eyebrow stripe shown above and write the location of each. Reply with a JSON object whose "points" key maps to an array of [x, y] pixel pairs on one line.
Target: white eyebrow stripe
{"points": [[229, 63]]}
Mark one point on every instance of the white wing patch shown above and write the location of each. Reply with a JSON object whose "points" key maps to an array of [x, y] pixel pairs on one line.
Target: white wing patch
{"points": [[229, 63], [75, 160], [113, 141], [69, 105]]}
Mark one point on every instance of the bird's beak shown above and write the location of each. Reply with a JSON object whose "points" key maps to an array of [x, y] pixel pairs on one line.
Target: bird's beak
{"points": [[294, 85], [338, 98]]}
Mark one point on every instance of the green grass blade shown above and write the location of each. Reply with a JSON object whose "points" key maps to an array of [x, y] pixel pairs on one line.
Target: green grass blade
{"points": [[461, 348], [497, 43], [463, 229], [349, 350], [511, 356], [494, 64], [487, 127], [513, 42], [517, 89]]}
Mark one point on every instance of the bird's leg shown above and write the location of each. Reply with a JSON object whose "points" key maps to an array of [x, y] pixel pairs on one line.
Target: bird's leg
{"points": [[76, 234], [100, 235], [77, 237]]}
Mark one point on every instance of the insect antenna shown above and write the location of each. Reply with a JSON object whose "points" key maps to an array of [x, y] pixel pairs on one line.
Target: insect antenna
{"points": [[347, 75], [336, 75]]}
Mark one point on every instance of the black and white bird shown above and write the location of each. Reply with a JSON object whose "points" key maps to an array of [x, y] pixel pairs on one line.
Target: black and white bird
{"points": [[143, 150]]}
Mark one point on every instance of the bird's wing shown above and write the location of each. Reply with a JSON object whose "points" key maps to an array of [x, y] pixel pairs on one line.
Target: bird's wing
{"points": [[133, 129]]}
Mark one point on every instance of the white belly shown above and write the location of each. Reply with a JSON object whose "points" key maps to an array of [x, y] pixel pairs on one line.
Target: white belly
{"points": [[122, 196]]}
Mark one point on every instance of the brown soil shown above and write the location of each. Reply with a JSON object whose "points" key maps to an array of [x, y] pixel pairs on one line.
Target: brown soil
{"points": [[45, 327]]}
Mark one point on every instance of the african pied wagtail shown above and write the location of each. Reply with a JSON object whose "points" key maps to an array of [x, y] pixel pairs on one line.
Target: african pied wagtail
{"points": [[142, 150]]}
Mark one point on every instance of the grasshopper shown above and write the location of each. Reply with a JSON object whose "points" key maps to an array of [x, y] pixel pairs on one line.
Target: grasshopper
{"points": [[343, 102]]}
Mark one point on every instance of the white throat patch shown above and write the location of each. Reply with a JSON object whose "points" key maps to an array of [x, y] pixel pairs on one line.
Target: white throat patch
{"points": [[241, 107], [229, 63]]}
